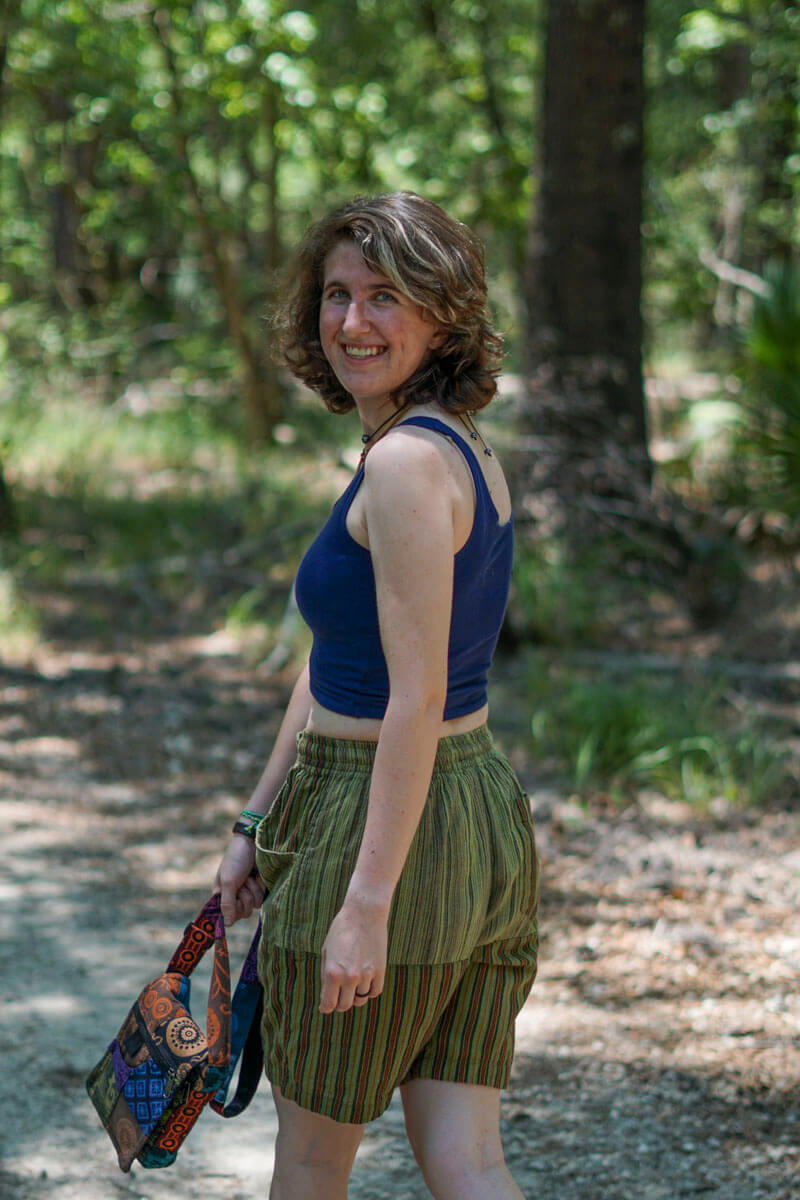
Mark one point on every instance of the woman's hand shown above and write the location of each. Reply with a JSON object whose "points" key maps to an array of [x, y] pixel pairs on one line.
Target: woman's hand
{"points": [[354, 957], [241, 890]]}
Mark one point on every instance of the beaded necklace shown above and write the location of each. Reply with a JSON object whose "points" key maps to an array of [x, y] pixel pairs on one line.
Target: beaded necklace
{"points": [[370, 439], [471, 428]]}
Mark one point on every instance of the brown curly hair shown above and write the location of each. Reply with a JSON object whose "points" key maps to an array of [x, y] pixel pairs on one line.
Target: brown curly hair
{"points": [[436, 261]]}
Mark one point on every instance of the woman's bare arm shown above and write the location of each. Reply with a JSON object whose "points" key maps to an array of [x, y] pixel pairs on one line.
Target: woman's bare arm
{"points": [[409, 512], [240, 890]]}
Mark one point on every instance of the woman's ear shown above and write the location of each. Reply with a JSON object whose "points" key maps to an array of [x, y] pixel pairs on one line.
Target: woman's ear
{"points": [[438, 338]]}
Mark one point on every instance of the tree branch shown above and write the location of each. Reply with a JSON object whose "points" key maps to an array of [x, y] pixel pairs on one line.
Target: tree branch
{"points": [[738, 276], [431, 18]]}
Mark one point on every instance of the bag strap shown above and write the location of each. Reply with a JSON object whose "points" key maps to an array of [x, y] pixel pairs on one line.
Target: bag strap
{"points": [[198, 936], [245, 1038], [208, 928], [233, 1028]]}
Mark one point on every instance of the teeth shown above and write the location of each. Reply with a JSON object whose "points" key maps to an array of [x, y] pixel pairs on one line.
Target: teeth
{"points": [[364, 351]]}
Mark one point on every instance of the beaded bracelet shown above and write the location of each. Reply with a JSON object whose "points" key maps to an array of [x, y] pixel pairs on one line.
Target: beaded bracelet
{"points": [[247, 823]]}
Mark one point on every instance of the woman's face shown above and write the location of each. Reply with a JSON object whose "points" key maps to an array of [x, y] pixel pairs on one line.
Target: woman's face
{"points": [[372, 334]]}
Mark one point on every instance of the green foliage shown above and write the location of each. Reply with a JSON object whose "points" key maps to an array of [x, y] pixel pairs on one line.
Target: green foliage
{"points": [[771, 402], [131, 147], [680, 737], [724, 154], [558, 601], [153, 169], [159, 161], [774, 341]]}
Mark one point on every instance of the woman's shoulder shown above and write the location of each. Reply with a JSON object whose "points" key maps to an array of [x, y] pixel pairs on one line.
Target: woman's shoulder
{"points": [[406, 476], [408, 448]]}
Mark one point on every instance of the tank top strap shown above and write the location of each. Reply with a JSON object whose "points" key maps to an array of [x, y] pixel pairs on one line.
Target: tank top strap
{"points": [[481, 486]]}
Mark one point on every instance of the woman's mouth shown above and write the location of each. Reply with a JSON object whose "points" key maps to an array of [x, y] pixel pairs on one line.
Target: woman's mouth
{"points": [[363, 352]]}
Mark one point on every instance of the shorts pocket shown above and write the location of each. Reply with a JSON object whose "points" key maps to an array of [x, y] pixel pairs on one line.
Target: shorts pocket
{"points": [[276, 842], [305, 852], [272, 864], [515, 897]]}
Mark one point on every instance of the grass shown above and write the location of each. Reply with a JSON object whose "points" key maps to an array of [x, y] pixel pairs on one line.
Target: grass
{"points": [[682, 737], [156, 514], [19, 621], [561, 602]]}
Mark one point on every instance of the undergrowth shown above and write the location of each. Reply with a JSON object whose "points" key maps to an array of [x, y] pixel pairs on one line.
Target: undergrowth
{"points": [[684, 737], [141, 518], [157, 521]]}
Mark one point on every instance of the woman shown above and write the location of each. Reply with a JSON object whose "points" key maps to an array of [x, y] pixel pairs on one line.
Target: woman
{"points": [[398, 852]]}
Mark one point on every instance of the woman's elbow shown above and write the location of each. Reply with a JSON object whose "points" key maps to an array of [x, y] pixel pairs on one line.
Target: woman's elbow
{"points": [[419, 702]]}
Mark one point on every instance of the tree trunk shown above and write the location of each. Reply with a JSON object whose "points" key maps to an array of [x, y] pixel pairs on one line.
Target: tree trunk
{"points": [[734, 82], [272, 259], [8, 515], [584, 481], [584, 270], [260, 389], [587, 482]]}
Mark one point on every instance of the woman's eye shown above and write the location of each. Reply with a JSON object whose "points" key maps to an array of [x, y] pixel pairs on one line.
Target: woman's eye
{"points": [[384, 297], [336, 294]]}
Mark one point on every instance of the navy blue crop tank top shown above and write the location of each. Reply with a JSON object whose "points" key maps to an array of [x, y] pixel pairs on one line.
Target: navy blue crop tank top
{"points": [[335, 592]]}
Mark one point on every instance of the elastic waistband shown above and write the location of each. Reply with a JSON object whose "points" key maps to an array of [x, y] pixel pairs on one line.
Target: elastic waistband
{"points": [[328, 753]]}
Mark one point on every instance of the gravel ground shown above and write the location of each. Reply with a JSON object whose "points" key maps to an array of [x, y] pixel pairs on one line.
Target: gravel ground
{"points": [[658, 1056]]}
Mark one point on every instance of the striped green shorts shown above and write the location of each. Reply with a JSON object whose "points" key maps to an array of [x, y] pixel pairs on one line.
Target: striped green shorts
{"points": [[463, 936]]}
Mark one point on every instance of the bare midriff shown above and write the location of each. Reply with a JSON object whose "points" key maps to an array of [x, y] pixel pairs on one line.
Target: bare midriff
{"points": [[368, 729]]}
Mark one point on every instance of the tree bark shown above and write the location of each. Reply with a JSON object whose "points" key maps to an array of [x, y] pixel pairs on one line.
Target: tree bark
{"points": [[584, 269], [8, 514], [271, 114], [8, 517], [588, 484]]}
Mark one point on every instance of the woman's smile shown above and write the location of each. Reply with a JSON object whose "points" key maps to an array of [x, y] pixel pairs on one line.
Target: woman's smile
{"points": [[363, 352]]}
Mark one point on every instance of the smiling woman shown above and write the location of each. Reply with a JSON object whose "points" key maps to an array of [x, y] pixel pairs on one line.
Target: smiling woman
{"points": [[396, 844], [429, 259]]}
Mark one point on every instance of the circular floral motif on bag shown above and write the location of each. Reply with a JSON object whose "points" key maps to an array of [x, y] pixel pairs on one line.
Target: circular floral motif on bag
{"points": [[183, 1037], [162, 1007]]}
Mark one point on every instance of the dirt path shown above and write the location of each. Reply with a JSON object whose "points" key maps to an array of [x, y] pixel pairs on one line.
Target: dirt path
{"points": [[658, 1057]]}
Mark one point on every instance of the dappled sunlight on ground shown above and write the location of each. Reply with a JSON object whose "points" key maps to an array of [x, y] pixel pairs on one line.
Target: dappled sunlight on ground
{"points": [[656, 1056]]}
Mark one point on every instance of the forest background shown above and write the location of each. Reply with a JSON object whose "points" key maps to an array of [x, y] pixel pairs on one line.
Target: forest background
{"points": [[633, 170]]}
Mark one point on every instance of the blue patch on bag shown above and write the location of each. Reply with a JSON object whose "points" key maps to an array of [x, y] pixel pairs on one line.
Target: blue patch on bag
{"points": [[144, 1091]]}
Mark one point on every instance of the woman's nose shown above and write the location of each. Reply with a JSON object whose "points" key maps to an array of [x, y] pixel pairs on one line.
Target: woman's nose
{"points": [[355, 318]]}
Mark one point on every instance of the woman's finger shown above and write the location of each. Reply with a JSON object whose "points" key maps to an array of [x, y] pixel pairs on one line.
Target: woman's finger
{"points": [[228, 904], [255, 890], [340, 993]]}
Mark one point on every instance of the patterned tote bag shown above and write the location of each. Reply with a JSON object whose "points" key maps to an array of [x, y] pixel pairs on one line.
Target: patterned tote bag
{"points": [[162, 1069]]}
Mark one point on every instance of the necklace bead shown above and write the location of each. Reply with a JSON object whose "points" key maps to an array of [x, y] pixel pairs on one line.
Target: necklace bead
{"points": [[469, 425]]}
